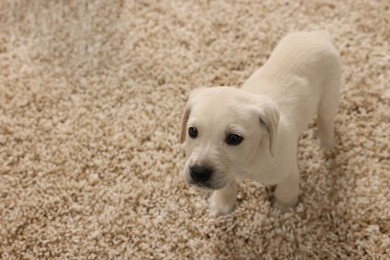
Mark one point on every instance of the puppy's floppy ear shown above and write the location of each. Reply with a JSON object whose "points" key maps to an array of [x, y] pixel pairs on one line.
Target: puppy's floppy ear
{"points": [[269, 117], [184, 121], [187, 112]]}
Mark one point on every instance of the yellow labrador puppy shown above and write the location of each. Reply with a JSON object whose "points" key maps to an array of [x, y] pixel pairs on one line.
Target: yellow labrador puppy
{"points": [[253, 132]]}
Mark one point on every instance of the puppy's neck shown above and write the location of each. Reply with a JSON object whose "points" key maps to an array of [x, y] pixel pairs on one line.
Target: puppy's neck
{"points": [[268, 169], [260, 167]]}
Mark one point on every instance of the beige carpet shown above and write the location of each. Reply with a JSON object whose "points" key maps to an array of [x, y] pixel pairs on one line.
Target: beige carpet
{"points": [[91, 95]]}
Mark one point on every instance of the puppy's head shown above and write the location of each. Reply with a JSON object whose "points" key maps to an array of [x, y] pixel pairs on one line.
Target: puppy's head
{"points": [[224, 129]]}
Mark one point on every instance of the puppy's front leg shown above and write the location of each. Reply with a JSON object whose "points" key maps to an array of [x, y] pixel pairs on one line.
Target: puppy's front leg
{"points": [[286, 193], [223, 201]]}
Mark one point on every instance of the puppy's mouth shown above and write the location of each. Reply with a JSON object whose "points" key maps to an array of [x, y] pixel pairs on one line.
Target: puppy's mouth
{"points": [[200, 186], [207, 186]]}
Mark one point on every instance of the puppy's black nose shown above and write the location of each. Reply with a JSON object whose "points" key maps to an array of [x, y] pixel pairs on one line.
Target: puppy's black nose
{"points": [[201, 173]]}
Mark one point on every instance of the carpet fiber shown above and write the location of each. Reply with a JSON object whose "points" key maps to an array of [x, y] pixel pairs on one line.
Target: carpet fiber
{"points": [[91, 97]]}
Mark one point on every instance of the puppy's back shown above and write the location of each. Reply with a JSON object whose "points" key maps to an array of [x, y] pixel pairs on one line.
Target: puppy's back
{"points": [[301, 54], [296, 74]]}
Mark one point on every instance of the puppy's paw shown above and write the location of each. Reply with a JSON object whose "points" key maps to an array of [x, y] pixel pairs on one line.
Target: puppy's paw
{"points": [[284, 206], [328, 145], [221, 205]]}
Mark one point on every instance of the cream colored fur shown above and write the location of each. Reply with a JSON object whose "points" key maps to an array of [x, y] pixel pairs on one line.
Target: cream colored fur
{"points": [[301, 79]]}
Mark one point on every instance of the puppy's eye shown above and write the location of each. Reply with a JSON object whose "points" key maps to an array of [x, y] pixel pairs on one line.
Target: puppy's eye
{"points": [[193, 132], [234, 139]]}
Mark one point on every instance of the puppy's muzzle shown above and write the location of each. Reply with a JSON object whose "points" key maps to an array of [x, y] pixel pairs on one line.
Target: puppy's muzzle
{"points": [[206, 176], [201, 174]]}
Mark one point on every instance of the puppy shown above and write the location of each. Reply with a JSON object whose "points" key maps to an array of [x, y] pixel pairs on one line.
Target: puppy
{"points": [[253, 132]]}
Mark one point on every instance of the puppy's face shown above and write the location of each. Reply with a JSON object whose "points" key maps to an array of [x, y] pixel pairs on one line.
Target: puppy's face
{"points": [[224, 129]]}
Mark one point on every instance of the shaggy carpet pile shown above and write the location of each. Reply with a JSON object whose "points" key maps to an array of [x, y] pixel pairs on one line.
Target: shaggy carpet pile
{"points": [[91, 98]]}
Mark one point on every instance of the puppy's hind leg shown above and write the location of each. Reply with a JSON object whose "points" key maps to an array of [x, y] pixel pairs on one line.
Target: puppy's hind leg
{"points": [[223, 201], [327, 110]]}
